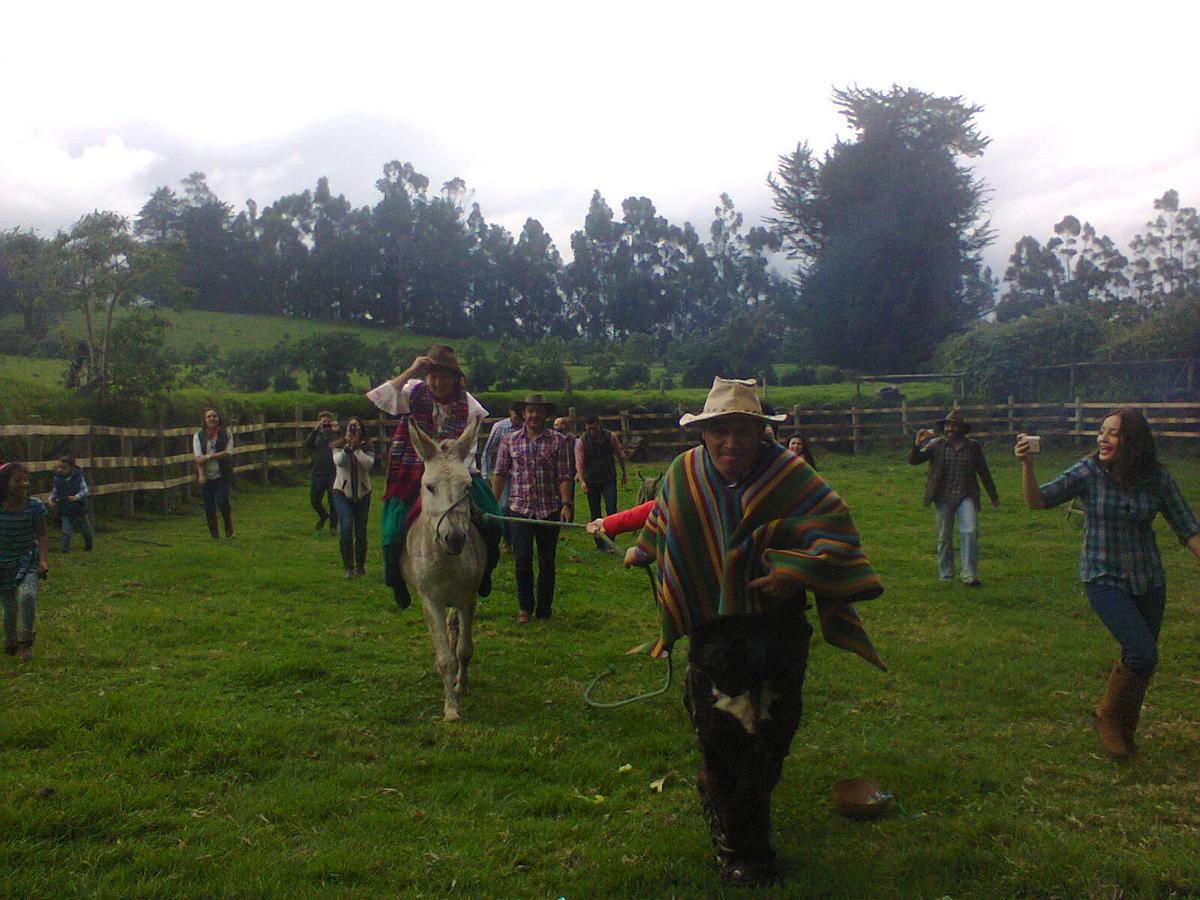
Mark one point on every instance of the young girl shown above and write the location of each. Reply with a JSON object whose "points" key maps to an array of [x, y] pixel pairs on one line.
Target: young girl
{"points": [[353, 455], [22, 557]]}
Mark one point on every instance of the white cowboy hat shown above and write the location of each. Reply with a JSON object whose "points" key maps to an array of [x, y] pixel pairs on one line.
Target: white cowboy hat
{"points": [[731, 397]]}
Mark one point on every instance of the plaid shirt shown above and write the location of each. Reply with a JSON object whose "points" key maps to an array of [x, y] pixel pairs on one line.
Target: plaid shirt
{"points": [[958, 476], [1118, 543], [536, 468], [500, 430]]}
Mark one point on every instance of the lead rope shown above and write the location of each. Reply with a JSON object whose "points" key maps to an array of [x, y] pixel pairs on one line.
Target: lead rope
{"points": [[612, 670]]}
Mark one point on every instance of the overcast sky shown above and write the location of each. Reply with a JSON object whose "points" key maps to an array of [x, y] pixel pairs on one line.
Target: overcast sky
{"points": [[535, 105]]}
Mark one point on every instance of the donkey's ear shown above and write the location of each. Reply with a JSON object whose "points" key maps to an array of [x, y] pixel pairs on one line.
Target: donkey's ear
{"points": [[465, 445], [422, 443]]}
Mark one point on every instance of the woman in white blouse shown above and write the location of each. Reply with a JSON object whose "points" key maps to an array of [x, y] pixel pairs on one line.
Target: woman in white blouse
{"points": [[353, 455]]}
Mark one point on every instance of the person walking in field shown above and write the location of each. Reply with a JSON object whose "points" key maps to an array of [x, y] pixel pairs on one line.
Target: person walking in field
{"points": [[432, 392], [739, 531], [320, 486], [956, 466], [1122, 487], [353, 457], [597, 454], [500, 430], [212, 446], [534, 465], [69, 496], [23, 558]]}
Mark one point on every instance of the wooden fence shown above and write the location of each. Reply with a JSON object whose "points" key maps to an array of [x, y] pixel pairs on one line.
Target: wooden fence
{"points": [[132, 461]]}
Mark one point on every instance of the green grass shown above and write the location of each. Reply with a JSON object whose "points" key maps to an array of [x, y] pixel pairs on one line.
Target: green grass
{"points": [[234, 718]]}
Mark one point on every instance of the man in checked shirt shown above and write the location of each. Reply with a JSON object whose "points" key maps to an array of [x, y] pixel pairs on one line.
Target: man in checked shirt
{"points": [[534, 464]]}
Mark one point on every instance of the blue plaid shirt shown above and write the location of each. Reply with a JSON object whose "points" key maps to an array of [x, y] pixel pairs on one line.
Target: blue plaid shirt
{"points": [[1118, 542]]}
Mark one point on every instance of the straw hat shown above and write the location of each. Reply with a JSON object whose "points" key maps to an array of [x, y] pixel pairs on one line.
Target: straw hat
{"points": [[731, 397]]}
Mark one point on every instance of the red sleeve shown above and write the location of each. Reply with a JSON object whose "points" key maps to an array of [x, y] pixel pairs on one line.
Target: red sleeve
{"points": [[627, 519]]}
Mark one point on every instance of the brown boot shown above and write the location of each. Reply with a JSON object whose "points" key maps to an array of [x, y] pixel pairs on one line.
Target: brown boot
{"points": [[1131, 703], [25, 645], [1115, 719]]}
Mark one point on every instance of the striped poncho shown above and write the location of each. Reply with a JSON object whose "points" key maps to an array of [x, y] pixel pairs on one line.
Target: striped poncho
{"points": [[709, 540]]}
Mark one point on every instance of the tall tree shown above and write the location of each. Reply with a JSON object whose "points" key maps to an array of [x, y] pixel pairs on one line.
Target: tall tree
{"points": [[106, 270], [888, 229], [30, 279]]}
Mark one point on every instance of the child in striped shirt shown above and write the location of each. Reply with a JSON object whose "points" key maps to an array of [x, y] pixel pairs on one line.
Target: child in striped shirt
{"points": [[23, 554]]}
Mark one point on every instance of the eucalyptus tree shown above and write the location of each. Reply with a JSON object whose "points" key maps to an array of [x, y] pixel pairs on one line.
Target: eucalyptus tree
{"points": [[888, 228], [1166, 257]]}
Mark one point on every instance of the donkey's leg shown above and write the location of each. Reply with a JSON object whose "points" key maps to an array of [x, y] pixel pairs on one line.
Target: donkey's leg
{"points": [[447, 664], [464, 648]]}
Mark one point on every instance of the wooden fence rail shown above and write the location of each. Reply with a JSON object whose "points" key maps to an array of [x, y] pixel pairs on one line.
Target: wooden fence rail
{"points": [[128, 461]]}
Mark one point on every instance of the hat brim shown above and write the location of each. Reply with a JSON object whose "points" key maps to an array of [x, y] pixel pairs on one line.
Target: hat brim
{"points": [[690, 419], [941, 424], [550, 408]]}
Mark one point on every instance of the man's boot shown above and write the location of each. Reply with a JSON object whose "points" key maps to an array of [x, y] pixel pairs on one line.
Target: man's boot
{"points": [[25, 645], [211, 516], [1108, 719], [227, 515]]}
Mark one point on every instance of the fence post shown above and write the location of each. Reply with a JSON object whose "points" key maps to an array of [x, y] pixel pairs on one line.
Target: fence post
{"points": [[1078, 419], [856, 424], [33, 442], [127, 473], [265, 470], [298, 418], [625, 427], [683, 435], [1012, 415], [161, 444], [904, 417]]}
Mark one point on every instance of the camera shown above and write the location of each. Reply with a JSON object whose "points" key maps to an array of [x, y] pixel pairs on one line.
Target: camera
{"points": [[1033, 440]]}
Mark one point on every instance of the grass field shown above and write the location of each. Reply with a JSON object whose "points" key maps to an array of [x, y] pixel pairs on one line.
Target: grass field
{"points": [[236, 719]]}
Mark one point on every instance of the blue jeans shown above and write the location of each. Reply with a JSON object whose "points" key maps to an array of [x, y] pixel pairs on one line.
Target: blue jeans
{"points": [[352, 516], [968, 538], [78, 522], [20, 606], [1134, 620]]}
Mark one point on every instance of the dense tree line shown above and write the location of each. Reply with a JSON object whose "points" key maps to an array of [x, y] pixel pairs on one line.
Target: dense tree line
{"points": [[885, 232]]}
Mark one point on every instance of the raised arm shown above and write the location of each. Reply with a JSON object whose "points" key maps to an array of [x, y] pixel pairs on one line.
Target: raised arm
{"points": [[1030, 488]]}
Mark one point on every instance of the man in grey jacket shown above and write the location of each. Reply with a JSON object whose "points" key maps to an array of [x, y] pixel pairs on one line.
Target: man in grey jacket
{"points": [[956, 466]]}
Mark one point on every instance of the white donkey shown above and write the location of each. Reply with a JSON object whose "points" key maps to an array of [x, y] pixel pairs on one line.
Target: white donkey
{"points": [[444, 556]]}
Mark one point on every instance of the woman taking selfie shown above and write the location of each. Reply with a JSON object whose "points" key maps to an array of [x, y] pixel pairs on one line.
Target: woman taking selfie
{"points": [[212, 446], [353, 456], [1122, 487]]}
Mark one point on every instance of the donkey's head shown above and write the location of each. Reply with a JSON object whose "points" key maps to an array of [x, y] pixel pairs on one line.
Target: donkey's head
{"points": [[445, 500]]}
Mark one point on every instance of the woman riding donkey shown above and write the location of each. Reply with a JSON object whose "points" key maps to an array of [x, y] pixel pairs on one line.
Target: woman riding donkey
{"points": [[432, 393]]}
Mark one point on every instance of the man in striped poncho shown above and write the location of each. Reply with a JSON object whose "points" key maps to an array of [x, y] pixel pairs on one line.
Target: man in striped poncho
{"points": [[741, 529]]}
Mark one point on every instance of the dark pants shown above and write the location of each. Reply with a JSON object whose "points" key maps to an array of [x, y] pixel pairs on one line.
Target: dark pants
{"points": [[320, 488], [76, 522], [523, 538], [608, 491], [744, 683], [215, 493], [352, 517], [1133, 619]]}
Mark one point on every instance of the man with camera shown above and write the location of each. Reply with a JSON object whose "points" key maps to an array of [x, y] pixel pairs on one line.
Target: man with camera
{"points": [[956, 466], [323, 434]]}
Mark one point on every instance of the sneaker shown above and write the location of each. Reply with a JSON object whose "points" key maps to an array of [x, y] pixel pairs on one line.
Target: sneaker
{"points": [[522, 618], [360, 572], [24, 652], [349, 574], [973, 582]]}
